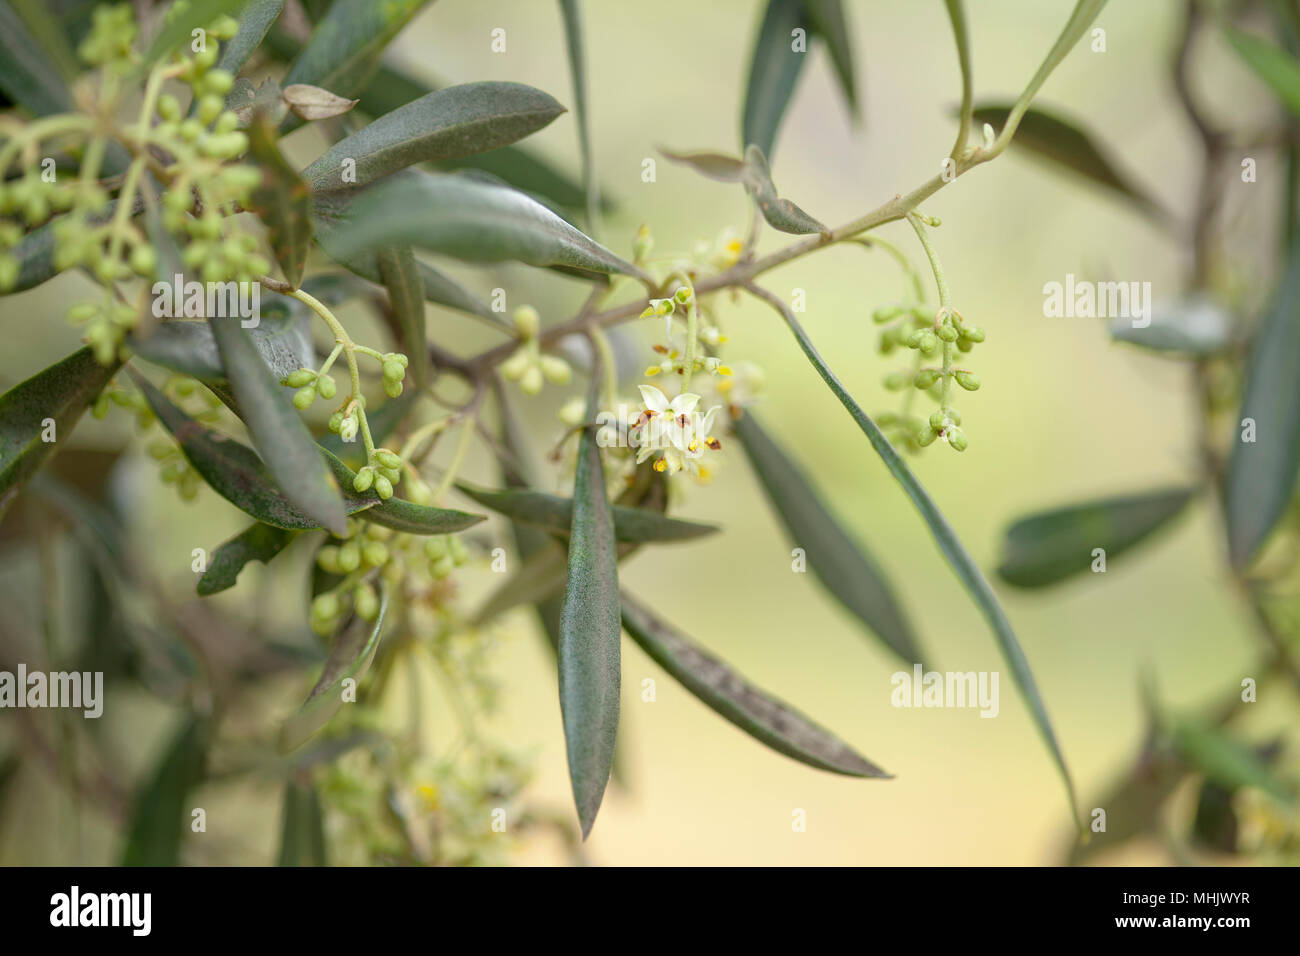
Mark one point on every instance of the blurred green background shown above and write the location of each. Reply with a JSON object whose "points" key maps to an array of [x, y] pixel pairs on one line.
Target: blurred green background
{"points": [[1064, 415]]}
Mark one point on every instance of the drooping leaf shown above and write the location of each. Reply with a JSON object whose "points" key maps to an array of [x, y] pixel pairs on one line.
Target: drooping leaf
{"points": [[1048, 547], [160, 817], [754, 711], [469, 220], [257, 542], [555, 513], [347, 45], [774, 67], [302, 828], [590, 632], [1066, 144], [1226, 760], [278, 432], [398, 513], [234, 471], [1196, 325], [572, 17], [255, 20], [27, 76], [781, 214], [401, 275], [180, 22], [1279, 70], [282, 201], [831, 27], [1266, 455], [950, 546], [58, 395], [719, 166], [847, 571], [349, 659], [450, 123]]}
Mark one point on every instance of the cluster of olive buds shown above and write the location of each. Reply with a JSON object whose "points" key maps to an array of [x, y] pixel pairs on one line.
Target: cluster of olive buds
{"points": [[528, 365], [673, 358]]}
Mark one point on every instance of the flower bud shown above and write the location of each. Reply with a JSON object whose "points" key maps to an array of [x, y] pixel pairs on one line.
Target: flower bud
{"points": [[349, 557], [300, 377], [974, 333], [515, 366], [556, 370], [947, 333], [956, 438], [304, 397], [435, 547], [527, 321], [383, 487], [531, 381], [387, 458], [374, 553], [327, 387], [364, 479], [365, 602], [968, 380], [926, 377]]}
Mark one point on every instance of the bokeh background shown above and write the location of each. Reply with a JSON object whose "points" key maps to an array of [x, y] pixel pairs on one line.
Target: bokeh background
{"points": [[1064, 415]]}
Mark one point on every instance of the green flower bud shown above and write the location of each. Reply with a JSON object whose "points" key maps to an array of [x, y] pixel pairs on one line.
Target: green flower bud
{"points": [[457, 549], [926, 436], [327, 387], [947, 333], [169, 108], [374, 553], [895, 381], [383, 487], [300, 377], [531, 381], [938, 420], [349, 557], [973, 332], [968, 380], [143, 260], [965, 345], [926, 377], [387, 458], [684, 295], [365, 602], [364, 479], [304, 397], [392, 474], [556, 370], [514, 367], [886, 314], [327, 558], [527, 321], [393, 371], [435, 547], [210, 107], [219, 82], [336, 422], [957, 439], [325, 607], [392, 389], [441, 568]]}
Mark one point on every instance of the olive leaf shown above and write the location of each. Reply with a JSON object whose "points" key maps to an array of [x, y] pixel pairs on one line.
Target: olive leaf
{"points": [[590, 631], [160, 816], [469, 220], [27, 76], [1051, 546], [401, 275], [774, 67], [759, 714], [255, 20], [446, 124], [1262, 471], [309, 102], [831, 27], [1196, 325], [246, 100], [1226, 760], [719, 166], [278, 432], [572, 17], [846, 570], [180, 22], [398, 513], [349, 659], [302, 829], [1277, 68], [282, 201], [781, 214], [37, 415], [257, 542], [555, 513]]}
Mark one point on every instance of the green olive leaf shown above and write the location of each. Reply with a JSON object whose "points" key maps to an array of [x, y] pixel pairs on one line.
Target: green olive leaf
{"points": [[781, 214], [255, 20], [719, 166], [302, 828], [759, 714], [38, 414], [1049, 547], [180, 22], [160, 817], [1279, 70], [401, 275], [773, 70], [28, 76], [257, 542], [831, 26]]}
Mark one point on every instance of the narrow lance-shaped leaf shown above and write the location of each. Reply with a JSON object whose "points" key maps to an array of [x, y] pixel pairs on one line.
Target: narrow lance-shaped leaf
{"points": [[754, 711], [832, 27], [777, 60], [161, 815], [781, 214], [401, 275], [38, 414], [302, 828], [180, 22], [447, 124], [719, 166], [282, 201], [1225, 760], [555, 513], [1277, 68], [257, 542], [470, 220], [572, 15], [255, 20], [1045, 548], [234, 471], [349, 659], [1266, 455], [27, 76], [847, 571], [1061, 142], [278, 432], [590, 630], [950, 546]]}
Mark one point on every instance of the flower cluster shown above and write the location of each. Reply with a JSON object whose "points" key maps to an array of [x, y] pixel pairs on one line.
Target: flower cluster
{"points": [[529, 365], [674, 432]]}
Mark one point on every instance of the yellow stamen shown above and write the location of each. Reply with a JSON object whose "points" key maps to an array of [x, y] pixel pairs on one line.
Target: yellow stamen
{"points": [[661, 465]]}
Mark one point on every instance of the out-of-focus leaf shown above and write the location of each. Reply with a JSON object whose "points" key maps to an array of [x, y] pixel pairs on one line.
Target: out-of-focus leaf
{"points": [[1065, 144], [963, 565], [257, 542], [847, 571], [1194, 326], [349, 659], [179, 23], [398, 513], [161, 814], [401, 275], [282, 201], [757, 713], [1262, 472], [572, 16], [51, 38], [35, 255], [781, 214], [278, 432], [458, 121], [312, 103], [57, 396], [719, 166], [1215, 825], [469, 220], [255, 20], [590, 632], [832, 28], [1279, 70], [27, 75], [774, 67], [234, 471], [347, 45], [1051, 546], [1225, 760], [555, 513], [302, 830], [246, 100]]}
